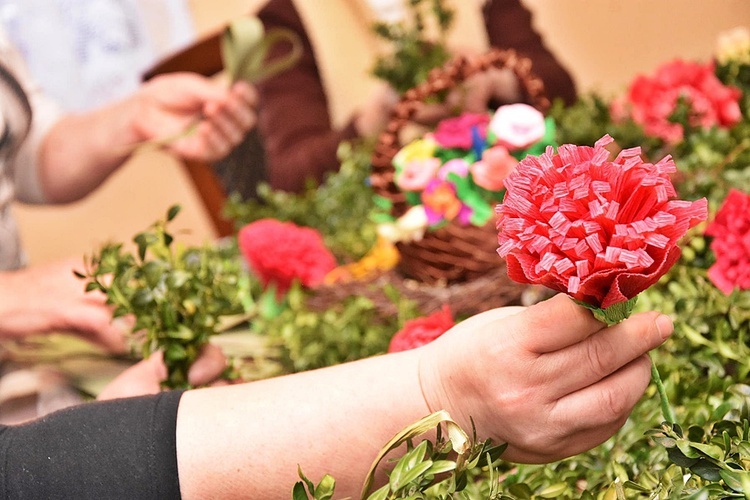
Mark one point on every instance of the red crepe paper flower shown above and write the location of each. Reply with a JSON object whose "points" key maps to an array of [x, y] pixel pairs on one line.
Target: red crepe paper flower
{"points": [[456, 132], [420, 331], [281, 252], [731, 244], [601, 231], [653, 99]]}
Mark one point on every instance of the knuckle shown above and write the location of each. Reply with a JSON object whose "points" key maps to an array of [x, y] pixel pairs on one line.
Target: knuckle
{"points": [[614, 404], [600, 357]]}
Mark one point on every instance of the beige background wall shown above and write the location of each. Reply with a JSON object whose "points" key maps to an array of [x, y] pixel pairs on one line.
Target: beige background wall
{"points": [[603, 42]]}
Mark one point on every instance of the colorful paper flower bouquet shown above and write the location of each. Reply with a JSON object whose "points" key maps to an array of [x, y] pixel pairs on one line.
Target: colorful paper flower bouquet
{"points": [[437, 193], [457, 172]]}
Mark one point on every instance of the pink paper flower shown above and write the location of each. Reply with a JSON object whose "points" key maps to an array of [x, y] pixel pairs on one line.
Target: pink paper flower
{"points": [[420, 331], [601, 231], [517, 126], [731, 243], [457, 132], [651, 100], [495, 165], [417, 173], [457, 166], [281, 252]]}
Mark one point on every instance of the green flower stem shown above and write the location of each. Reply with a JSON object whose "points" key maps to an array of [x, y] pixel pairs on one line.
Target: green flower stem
{"points": [[666, 409], [617, 313]]}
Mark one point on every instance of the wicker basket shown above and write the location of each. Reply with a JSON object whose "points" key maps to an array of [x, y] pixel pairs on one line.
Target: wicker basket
{"points": [[454, 253]]}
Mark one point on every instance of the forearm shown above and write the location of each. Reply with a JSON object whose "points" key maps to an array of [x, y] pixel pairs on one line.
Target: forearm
{"points": [[82, 150], [247, 440]]}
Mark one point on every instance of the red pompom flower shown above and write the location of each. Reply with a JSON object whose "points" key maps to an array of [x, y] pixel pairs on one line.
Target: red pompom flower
{"points": [[731, 244], [601, 231], [653, 99], [420, 331], [281, 252]]}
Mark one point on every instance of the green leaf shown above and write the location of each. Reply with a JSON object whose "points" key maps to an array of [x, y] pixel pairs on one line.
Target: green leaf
{"points": [[175, 352], [630, 485], [299, 493], [310, 485], [613, 314], [173, 211], [325, 488], [554, 490], [411, 475], [417, 428], [679, 458], [440, 466], [709, 450], [707, 470], [181, 333], [381, 493], [521, 491], [737, 480]]}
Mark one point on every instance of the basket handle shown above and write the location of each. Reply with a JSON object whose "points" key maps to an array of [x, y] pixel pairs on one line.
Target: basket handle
{"points": [[444, 78]]}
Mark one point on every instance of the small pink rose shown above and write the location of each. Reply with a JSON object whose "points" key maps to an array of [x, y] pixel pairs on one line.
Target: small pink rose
{"points": [[417, 174], [490, 172], [517, 126]]}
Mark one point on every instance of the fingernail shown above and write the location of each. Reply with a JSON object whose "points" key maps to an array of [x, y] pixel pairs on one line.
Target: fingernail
{"points": [[664, 325]]}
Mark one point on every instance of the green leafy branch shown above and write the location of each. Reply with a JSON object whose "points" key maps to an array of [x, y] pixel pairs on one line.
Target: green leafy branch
{"points": [[177, 295], [413, 53], [431, 469]]}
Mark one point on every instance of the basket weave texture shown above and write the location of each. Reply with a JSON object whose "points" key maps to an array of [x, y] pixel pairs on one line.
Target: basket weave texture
{"points": [[455, 253]]}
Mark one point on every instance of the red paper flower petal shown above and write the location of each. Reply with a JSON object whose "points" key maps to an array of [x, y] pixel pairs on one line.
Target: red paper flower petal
{"points": [[281, 252], [597, 229], [420, 331]]}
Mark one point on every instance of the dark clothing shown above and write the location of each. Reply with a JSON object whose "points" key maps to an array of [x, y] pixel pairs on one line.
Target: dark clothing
{"points": [[293, 114], [103, 450]]}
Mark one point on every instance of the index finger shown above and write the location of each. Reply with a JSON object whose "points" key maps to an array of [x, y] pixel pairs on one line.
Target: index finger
{"points": [[556, 323]]}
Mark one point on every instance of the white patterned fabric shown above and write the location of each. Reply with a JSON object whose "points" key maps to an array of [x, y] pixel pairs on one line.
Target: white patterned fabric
{"points": [[25, 117], [87, 53]]}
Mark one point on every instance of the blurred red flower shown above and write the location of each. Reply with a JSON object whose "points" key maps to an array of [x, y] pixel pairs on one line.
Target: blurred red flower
{"points": [[601, 231], [281, 252], [652, 99], [457, 132], [420, 331], [731, 243]]}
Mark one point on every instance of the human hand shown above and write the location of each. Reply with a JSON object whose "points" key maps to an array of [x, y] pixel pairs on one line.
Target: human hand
{"points": [[145, 377], [175, 102], [549, 380], [374, 115], [473, 95], [478, 90], [49, 298]]}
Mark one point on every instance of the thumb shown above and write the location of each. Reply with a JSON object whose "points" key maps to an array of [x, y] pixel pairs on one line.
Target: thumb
{"points": [[144, 377], [209, 366]]}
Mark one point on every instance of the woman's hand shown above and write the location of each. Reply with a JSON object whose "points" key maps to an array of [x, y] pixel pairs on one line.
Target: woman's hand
{"points": [[176, 102], [145, 377], [49, 298], [549, 380]]}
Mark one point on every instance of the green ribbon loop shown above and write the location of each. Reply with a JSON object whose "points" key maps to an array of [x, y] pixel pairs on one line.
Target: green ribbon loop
{"points": [[245, 46]]}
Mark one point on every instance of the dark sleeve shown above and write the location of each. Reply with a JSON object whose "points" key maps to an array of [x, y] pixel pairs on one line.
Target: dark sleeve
{"points": [[509, 26], [102, 450], [293, 112]]}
